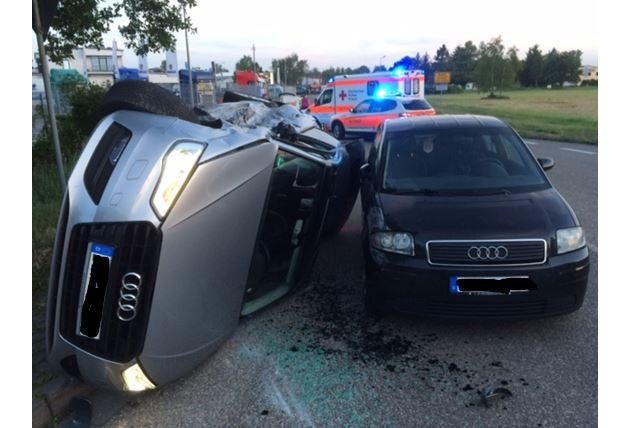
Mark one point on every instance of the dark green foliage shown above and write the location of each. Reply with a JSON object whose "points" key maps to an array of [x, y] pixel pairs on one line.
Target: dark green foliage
{"points": [[532, 73], [589, 82], [74, 128], [463, 63], [292, 69], [246, 63], [442, 59], [406, 63], [494, 70], [150, 28]]}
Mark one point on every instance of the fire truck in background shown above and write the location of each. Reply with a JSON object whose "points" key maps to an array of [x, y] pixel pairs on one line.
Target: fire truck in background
{"points": [[341, 93]]}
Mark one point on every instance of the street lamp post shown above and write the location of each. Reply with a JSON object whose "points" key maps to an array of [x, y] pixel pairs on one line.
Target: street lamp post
{"points": [[380, 61]]}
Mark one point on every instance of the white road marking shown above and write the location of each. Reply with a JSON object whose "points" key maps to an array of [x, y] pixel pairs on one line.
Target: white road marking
{"points": [[531, 142], [578, 151]]}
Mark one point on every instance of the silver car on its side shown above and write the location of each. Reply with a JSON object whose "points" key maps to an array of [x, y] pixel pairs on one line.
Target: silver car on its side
{"points": [[175, 224]]}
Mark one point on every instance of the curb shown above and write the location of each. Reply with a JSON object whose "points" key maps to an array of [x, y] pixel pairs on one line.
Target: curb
{"points": [[57, 397]]}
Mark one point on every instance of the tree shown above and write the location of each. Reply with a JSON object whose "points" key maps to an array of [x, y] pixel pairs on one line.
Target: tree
{"points": [[163, 65], [532, 72], [493, 71], [218, 68], [442, 59], [560, 67], [463, 63], [406, 63], [360, 70], [292, 68], [151, 25], [516, 63], [246, 63], [379, 68]]}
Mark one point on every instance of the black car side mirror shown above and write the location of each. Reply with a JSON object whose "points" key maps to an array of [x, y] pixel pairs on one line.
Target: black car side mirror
{"points": [[365, 170], [546, 163]]}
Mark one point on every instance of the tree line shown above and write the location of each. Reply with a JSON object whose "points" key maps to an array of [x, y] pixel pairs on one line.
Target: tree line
{"points": [[491, 66]]}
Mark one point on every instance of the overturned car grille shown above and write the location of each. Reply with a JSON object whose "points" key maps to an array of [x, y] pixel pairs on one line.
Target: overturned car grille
{"points": [[136, 248], [487, 253]]}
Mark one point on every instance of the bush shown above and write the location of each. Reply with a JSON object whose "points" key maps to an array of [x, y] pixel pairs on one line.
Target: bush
{"points": [[589, 82], [455, 89], [74, 128]]}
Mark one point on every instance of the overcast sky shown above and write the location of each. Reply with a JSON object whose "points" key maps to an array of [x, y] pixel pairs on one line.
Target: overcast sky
{"points": [[350, 34]]}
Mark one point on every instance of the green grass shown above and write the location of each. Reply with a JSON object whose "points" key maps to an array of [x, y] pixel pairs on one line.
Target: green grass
{"points": [[46, 202], [568, 114]]}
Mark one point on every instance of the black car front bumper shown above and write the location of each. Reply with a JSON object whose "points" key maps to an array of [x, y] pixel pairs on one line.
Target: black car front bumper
{"points": [[411, 285]]}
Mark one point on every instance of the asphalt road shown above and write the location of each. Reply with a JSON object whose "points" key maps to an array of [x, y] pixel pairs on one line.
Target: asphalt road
{"points": [[316, 359]]}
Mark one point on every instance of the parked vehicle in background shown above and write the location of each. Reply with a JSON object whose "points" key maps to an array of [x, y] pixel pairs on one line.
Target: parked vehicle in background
{"points": [[175, 223], [460, 221], [368, 115], [288, 98], [344, 92]]}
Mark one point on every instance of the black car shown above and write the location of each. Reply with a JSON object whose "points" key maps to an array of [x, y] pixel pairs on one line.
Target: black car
{"points": [[460, 221]]}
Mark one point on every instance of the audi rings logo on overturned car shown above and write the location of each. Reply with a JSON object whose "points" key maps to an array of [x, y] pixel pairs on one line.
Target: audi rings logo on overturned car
{"points": [[490, 252], [129, 293]]}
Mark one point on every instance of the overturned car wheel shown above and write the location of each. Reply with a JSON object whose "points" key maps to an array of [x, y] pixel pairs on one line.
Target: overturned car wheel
{"points": [[146, 97]]}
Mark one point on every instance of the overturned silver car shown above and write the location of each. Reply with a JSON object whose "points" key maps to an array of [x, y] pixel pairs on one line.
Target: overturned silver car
{"points": [[177, 222]]}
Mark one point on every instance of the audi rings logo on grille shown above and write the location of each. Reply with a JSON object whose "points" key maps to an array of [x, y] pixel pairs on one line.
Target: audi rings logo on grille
{"points": [[129, 293], [487, 252]]}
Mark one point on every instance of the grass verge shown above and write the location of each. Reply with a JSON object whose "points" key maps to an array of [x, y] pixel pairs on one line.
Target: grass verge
{"points": [[568, 114]]}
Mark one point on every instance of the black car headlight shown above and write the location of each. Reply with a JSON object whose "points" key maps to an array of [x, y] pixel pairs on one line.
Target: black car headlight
{"points": [[393, 242], [570, 239]]}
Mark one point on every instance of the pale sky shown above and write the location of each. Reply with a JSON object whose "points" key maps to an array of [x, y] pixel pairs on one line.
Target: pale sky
{"points": [[350, 34]]}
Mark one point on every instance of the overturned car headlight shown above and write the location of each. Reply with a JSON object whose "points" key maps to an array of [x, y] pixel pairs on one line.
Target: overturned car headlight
{"points": [[393, 242], [135, 379], [178, 165], [570, 239]]}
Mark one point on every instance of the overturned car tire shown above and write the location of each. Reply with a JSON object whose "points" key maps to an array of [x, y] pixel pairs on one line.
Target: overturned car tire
{"points": [[147, 97]]}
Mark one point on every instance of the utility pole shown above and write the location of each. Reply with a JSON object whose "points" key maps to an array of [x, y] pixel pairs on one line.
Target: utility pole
{"points": [[254, 57], [190, 79], [49, 97]]}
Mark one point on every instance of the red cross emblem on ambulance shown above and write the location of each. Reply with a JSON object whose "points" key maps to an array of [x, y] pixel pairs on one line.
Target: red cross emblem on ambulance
{"points": [[343, 95]]}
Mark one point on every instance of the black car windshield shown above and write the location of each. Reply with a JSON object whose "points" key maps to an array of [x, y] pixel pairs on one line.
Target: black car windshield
{"points": [[481, 160]]}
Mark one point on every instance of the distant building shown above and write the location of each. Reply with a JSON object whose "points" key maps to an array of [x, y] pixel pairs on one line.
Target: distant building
{"points": [[96, 64], [589, 72]]}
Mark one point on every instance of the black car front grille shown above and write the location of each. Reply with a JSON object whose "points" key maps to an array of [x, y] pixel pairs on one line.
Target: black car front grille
{"points": [[487, 253], [136, 248], [486, 310]]}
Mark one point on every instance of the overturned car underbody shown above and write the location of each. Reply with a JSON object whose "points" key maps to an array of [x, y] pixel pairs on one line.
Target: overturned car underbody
{"points": [[175, 223]]}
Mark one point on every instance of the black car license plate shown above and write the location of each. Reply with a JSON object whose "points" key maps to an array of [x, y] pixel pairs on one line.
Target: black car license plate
{"points": [[490, 284], [93, 290]]}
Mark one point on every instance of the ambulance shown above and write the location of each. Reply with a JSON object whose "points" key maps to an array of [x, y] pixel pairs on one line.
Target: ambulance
{"points": [[346, 91]]}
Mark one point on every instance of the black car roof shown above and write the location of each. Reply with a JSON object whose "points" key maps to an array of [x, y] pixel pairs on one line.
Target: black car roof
{"points": [[444, 121]]}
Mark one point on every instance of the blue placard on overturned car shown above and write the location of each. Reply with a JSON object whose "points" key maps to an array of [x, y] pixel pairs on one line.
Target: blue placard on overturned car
{"points": [[102, 250], [453, 288]]}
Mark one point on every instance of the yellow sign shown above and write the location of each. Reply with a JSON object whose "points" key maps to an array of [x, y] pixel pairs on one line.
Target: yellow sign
{"points": [[442, 77]]}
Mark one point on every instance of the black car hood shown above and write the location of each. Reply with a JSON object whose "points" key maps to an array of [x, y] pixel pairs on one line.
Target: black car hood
{"points": [[523, 215]]}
